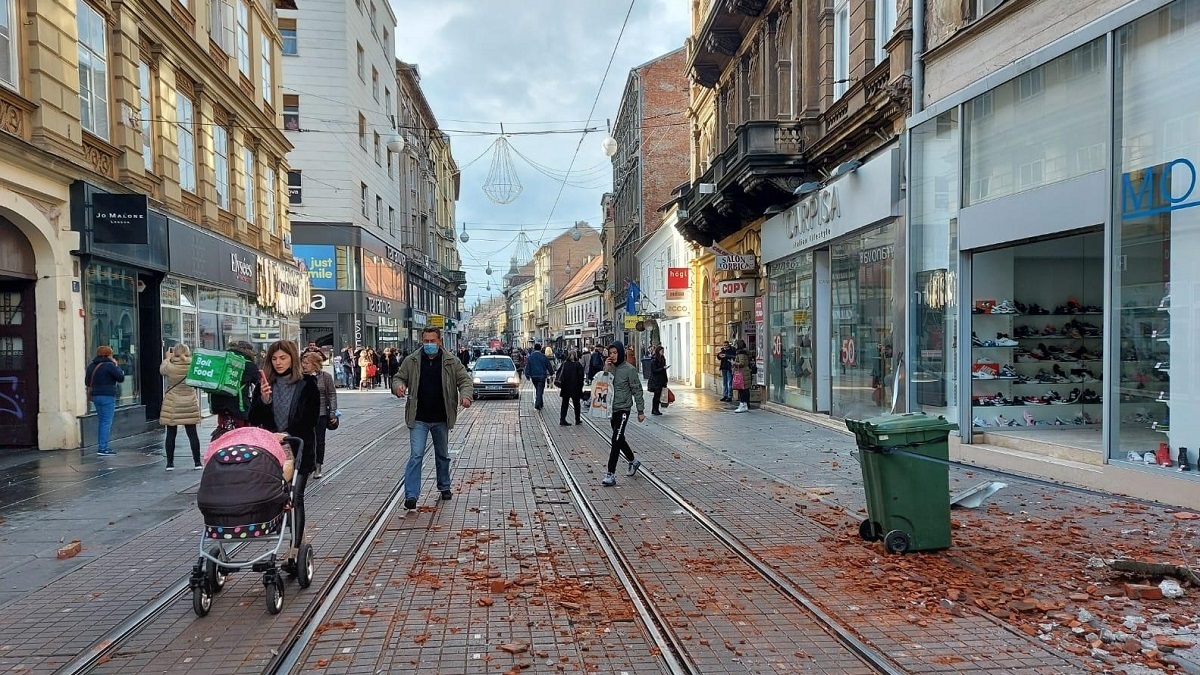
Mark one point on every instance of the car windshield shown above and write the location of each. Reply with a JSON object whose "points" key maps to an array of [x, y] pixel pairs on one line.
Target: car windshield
{"points": [[495, 363]]}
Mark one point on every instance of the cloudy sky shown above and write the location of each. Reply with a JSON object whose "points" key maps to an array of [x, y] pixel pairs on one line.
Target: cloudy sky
{"points": [[534, 65]]}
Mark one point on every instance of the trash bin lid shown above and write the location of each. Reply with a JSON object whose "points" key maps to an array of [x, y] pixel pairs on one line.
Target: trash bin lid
{"points": [[886, 425]]}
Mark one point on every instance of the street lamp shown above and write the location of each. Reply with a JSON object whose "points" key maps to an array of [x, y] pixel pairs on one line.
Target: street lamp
{"points": [[396, 144], [576, 235], [464, 237], [609, 146]]}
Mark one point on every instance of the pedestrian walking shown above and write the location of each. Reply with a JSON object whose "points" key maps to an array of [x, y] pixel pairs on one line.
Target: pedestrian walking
{"points": [[233, 412], [552, 365], [366, 368], [328, 408], [626, 391], [658, 379], [180, 406], [439, 384], [596, 362], [288, 404], [101, 378], [725, 358], [570, 387], [464, 357], [742, 372], [312, 348], [537, 369]]}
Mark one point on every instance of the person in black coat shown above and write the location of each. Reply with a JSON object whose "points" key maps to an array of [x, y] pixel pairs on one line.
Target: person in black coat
{"points": [[570, 386], [289, 404], [595, 363], [658, 379]]}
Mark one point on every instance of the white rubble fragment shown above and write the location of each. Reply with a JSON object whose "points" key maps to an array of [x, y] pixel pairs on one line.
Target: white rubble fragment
{"points": [[1171, 589]]}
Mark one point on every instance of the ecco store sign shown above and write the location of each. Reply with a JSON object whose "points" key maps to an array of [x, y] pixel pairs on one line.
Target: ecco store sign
{"points": [[851, 202]]}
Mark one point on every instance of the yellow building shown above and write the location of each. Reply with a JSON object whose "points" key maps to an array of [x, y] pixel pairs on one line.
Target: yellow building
{"points": [[141, 200]]}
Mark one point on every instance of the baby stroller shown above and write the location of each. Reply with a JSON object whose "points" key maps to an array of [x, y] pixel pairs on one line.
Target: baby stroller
{"points": [[246, 494]]}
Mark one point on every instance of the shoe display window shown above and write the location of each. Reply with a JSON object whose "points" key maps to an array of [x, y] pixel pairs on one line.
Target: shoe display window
{"points": [[791, 354], [1036, 336]]}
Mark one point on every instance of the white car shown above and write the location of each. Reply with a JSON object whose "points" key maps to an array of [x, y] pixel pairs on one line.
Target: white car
{"points": [[495, 376]]}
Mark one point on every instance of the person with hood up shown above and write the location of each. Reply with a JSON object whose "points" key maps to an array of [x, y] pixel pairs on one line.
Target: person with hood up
{"points": [[626, 390], [595, 363], [180, 406], [101, 378]]}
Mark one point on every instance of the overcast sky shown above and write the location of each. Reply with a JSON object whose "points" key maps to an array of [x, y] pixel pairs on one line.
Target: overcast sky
{"points": [[533, 65]]}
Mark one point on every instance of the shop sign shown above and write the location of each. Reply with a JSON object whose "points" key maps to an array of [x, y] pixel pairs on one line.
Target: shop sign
{"points": [[676, 294], [735, 263], [198, 255], [674, 309], [358, 331], [420, 319], [632, 321], [591, 320], [379, 305], [1163, 188], [120, 219], [758, 310], [283, 288], [800, 317], [677, 277], [321, 263], [874, 256], [395, 255], [740, 288], [437, 321]]}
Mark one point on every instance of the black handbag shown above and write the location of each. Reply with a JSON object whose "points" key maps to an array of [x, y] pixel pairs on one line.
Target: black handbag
{"points": [[333, 422]]}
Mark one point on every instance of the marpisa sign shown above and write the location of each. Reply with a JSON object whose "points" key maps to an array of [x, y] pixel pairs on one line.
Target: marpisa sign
{"points": [[811, 221]]}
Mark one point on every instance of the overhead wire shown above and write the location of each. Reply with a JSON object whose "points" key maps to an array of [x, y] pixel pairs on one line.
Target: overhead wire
{"points": [[591, 113]]}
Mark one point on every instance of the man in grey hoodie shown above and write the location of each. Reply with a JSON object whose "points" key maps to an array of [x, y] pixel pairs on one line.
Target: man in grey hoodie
{"points": [[626, 390]]}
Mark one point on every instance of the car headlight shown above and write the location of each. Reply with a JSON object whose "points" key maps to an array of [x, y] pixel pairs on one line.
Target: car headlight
{"points": [[478, 381], [514, 380]]}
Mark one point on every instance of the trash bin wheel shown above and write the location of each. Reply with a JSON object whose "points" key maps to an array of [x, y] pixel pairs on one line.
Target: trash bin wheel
{"points": [[896, 542], [868, 531]]}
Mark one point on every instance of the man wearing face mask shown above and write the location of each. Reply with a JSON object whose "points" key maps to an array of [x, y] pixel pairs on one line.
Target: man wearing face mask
{"points": [[439, 384]]}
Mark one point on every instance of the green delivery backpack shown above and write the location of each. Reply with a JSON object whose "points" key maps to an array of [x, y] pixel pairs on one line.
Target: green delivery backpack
{"points": [[214, 371]]}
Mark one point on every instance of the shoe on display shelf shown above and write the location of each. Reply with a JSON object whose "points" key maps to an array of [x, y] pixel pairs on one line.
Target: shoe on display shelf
{"points": [[1073, 397], [1162, 365], [1002, 421], [1163, 456], [1004, 307], [1029, 421], [979, 422], [1184, 463], [1133, 456], [1004, 340], [1008, 372], [1060, 422], [1165, 303], [1161, 334], [1021, 332], [983, 374], [1163, 396], [1020, 306], [1161, 426], [975, 341], [1148, 458]]}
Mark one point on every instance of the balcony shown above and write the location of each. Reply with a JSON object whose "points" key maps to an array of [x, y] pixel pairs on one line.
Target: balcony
{"points": [[766, 161], [725, 24]]}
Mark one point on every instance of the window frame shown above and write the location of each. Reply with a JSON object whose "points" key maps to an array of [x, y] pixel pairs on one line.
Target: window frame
{"points": [[267, 64], [221, 166], [8, 16], [375, 83], [222, 21], [249, 184], [292, 111], [362, 62], [841, 48], [146, 113], [289, 30], [185, 140], [272, 177], [96, 106], [885, 26], [298, 185], [364, 193], [362, 131], [243, 38]]}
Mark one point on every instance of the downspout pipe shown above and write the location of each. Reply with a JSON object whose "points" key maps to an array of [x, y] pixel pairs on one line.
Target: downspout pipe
{"points": [[918, 56]]}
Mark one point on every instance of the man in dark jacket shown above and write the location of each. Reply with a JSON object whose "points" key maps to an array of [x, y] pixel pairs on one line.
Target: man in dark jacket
{"points": [[233, 412], [725, 357], [658, 379], [596, 362], [464, 356], [537, 369]]}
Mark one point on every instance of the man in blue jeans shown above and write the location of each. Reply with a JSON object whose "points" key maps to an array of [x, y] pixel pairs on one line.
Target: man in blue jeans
{"points": [[725, 358], [439, 384], [537, 369]]}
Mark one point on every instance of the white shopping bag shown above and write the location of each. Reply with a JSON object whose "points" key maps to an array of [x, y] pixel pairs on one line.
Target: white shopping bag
{"points": [[601, 401]]}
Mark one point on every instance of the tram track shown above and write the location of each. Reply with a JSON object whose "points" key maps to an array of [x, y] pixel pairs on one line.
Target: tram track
{"points": [[107, 646], [673, 647]]}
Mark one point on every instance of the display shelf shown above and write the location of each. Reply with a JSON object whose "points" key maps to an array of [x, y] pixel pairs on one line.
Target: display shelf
{"points": [[1031, 338]]}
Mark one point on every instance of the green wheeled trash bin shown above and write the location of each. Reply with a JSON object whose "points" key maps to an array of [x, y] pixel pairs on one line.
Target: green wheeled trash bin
{"points": [[908, 495]]}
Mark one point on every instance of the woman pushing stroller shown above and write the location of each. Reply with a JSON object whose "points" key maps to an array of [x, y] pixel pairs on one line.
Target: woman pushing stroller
{"points": [[289, 405]]}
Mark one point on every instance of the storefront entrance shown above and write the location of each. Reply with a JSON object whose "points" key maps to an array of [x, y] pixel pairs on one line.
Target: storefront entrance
{"points": [[1037, 320], [18, 365]]}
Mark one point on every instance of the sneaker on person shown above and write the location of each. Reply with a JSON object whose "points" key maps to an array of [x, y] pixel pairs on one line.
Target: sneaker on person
{"points": [[633, 468], [106, 453], [197, 467], [447, 495], [609, 480], [170, 467], [410, 503], [742, 407], [317, 473]]}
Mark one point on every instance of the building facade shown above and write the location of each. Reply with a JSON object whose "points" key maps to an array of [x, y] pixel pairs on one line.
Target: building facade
{"points": [[651, 159], [1051, 197], [663, 262], [141, 200], [790, 101]]}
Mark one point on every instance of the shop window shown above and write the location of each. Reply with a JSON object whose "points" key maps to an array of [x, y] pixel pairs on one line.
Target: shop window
{"points": [[291, 112], [791, 355], [1155, 278], [111, 305], [93, 70], [8, 43], [861, 322], [1036, 337]]}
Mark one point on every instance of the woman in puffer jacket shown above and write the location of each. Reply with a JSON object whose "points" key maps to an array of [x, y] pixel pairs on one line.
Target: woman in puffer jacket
{"points": [[180, 407]]}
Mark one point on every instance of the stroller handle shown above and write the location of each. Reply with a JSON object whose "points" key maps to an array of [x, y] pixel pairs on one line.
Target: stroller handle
{"points": [[297, 444]]}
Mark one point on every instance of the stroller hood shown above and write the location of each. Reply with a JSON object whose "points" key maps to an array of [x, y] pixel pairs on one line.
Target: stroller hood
{"points": [[252, 437]]}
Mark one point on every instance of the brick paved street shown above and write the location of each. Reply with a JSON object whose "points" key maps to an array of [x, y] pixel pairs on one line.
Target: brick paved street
{"points": [[506, 576]]}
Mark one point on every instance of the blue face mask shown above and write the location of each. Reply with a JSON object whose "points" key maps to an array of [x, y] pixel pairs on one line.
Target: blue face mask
{"points": [[429, 349]]}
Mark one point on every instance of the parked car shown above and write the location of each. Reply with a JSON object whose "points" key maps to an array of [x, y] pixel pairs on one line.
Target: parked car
{"points": [[495, 376]]}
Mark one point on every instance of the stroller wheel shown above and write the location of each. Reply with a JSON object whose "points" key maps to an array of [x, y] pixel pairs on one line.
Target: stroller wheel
{"points": [[274, 594], [201, 600], [213, 572], [305, 566]]}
